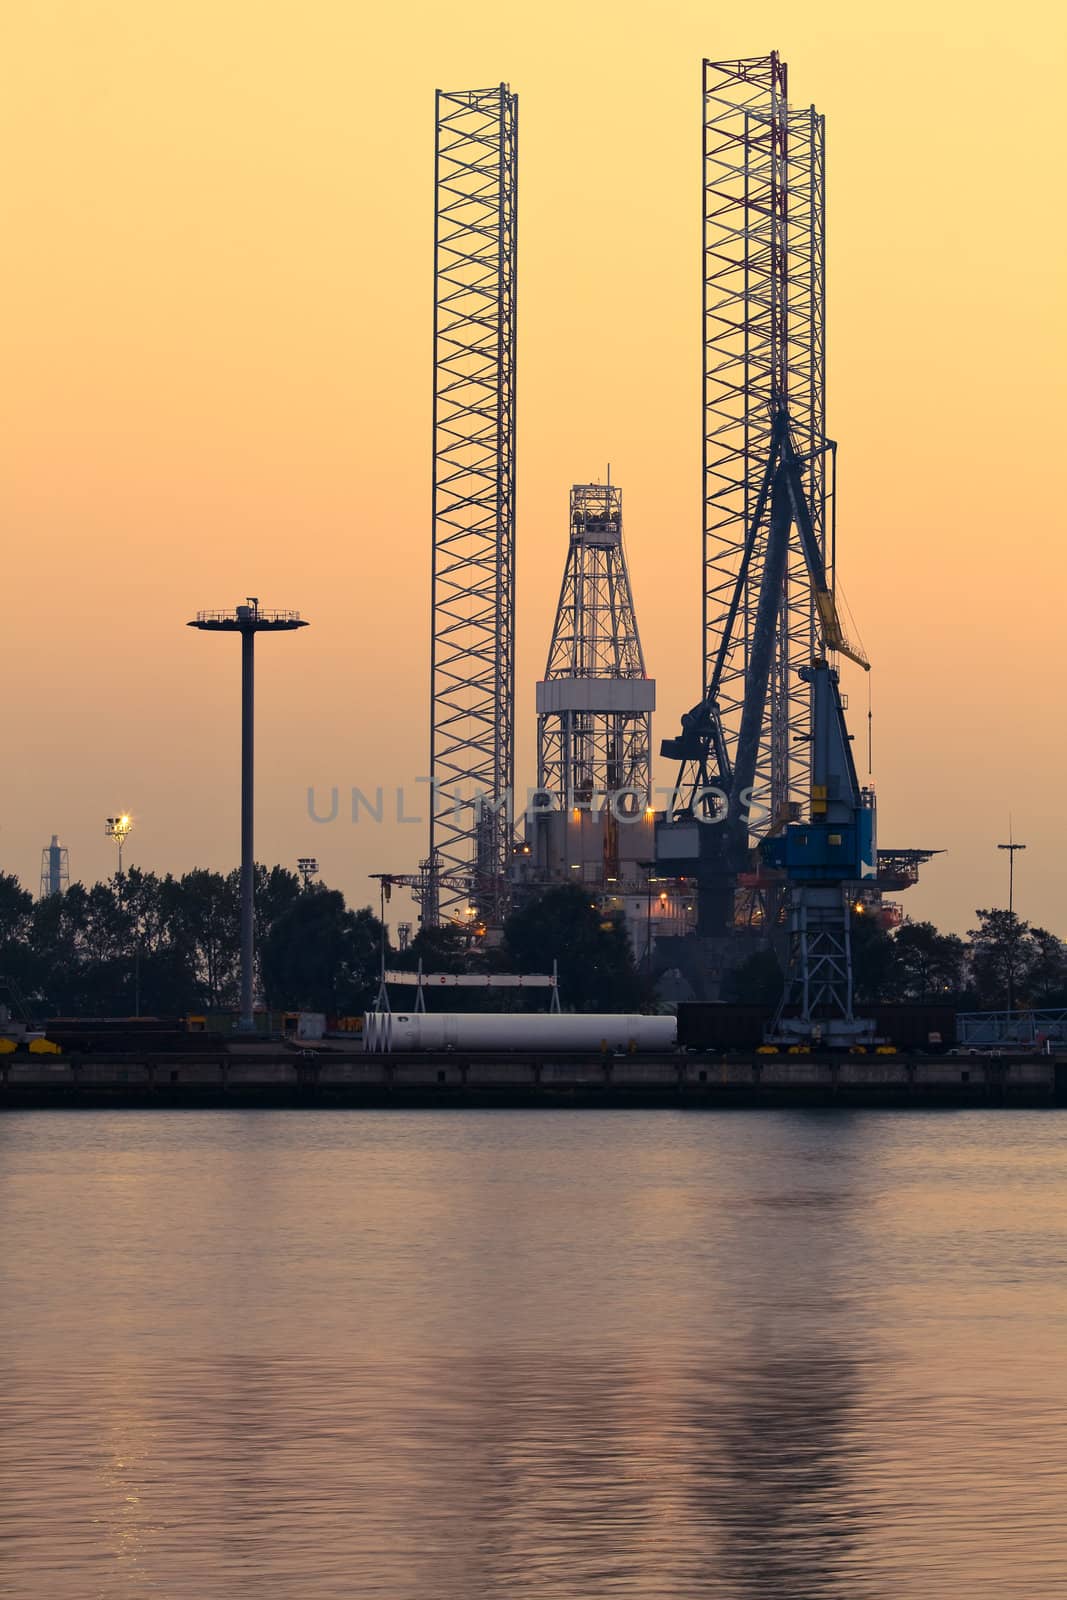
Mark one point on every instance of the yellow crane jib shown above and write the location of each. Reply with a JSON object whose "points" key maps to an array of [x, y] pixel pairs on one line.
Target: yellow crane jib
{"points": [[833, 634]]}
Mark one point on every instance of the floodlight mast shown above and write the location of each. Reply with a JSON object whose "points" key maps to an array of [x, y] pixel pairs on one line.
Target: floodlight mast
{"points": [[247, 620], [119, 829]]}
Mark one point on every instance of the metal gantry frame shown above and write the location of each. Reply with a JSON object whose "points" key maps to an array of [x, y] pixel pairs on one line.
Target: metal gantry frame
{"points": [[595, 703], [473, 594], [764, 348]]}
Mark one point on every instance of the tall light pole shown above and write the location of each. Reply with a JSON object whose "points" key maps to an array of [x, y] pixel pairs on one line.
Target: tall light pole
{"points": [[1011, 848], [649, 868], [385, 890], [118, 828], [247, 620], [308, 867]]}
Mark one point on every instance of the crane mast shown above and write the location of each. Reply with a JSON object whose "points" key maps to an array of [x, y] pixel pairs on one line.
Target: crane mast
{"points": [[824, 857]]}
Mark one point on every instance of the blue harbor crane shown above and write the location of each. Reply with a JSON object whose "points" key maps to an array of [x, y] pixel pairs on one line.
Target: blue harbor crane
{"points": [[823, 859], [712, 788]]}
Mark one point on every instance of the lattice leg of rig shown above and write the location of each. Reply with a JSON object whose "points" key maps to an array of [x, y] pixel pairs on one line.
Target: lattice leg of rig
{"points": [[472, 648]]}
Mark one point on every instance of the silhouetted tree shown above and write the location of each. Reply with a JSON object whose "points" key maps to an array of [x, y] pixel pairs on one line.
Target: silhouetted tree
{"points": [[1001, 954], [1046, 978], [929, 964], [876, 974], [756, 981], [319, 956], [16, 914], [276, 890], [206, 925], [596, 964], [439, 949]]}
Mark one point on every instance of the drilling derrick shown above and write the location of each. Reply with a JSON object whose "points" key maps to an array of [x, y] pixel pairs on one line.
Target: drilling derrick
{"points": [[594, 706], [589, 821], [473, 584]]}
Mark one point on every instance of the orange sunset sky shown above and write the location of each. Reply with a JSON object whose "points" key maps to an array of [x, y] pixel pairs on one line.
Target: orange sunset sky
{"points": [[215, 347]]}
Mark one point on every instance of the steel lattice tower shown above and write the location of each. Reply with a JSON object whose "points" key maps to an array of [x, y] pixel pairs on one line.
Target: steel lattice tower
{"points": [[764, 347], [595, 704], [55, 868], [473, 602]]}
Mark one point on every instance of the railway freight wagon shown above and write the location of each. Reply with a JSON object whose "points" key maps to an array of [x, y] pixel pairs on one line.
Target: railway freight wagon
{"points": [[388, 1031], [723, 1027]]}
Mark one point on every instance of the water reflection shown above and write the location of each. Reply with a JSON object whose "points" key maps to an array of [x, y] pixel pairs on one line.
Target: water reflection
{"points": [[629, 1356]]}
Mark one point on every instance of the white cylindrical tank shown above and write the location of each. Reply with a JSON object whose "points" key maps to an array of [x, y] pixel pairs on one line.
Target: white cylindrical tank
{"points": [[389, 1031]]}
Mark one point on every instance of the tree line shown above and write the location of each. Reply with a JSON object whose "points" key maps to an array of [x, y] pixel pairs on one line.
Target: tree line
{"points": [[141, 944], [1003, 961], [167, 946]]}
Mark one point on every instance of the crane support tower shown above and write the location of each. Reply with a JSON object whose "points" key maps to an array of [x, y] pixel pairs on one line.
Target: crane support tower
{"points": [[826, 859], [472, 671], [595, 702]]}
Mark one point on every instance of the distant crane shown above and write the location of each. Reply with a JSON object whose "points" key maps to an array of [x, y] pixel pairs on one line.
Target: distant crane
{"points": [[425, 886]]}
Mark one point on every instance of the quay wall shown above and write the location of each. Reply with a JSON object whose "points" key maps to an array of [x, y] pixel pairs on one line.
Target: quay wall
{"points": [[240, 1077]]}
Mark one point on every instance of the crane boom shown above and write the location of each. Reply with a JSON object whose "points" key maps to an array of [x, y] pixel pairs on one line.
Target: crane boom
{"points": [[780, 504], [833, 634]]}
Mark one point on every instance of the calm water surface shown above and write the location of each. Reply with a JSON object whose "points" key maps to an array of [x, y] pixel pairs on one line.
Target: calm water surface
{"points": [[300, 1355]]}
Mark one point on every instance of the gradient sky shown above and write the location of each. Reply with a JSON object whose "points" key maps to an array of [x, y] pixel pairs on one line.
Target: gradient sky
{"points": [[215, 341]]}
